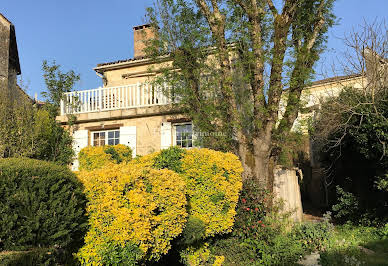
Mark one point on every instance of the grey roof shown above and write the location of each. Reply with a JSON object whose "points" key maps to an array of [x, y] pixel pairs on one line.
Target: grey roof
{"points": [[334, 79]]}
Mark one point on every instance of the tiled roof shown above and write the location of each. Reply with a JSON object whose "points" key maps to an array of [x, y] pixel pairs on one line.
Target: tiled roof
{"points": [[121, 61], [334, 79]]}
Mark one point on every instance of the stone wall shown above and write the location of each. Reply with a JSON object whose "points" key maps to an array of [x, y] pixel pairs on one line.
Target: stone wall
{"points": [[4, 52]]}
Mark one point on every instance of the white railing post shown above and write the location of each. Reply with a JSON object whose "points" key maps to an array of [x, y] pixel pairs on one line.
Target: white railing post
{"points": [[138, 94], [62, 108], [100, 97]]}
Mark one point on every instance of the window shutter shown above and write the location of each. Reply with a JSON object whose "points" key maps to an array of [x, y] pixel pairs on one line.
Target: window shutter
{"points": [[128, 137], [80, 141], [165, 134]]}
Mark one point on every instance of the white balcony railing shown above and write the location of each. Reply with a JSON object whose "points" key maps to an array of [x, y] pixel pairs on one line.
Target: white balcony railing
{"points": [[112, 98]]}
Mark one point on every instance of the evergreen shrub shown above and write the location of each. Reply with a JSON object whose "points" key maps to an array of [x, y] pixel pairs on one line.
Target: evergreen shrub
{"points": [[41, 205]]}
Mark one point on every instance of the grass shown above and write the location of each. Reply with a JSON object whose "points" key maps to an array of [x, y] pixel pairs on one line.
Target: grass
{"points": [[356, 245]]}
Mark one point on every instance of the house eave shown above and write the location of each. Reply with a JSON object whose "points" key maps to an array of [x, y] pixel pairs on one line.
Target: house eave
{"points": [[138, 62]]}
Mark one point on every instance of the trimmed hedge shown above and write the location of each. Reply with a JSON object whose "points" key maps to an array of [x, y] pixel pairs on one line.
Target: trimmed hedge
{"points": [[41, 205]]}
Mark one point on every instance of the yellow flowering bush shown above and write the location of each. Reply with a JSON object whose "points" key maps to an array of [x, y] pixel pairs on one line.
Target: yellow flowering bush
{"points": [[97, 157], [134, 210], [137, 208], [213, 183]]}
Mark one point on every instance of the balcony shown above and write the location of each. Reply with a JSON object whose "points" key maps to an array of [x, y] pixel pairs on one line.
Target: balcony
{"points": [[112, 98]]}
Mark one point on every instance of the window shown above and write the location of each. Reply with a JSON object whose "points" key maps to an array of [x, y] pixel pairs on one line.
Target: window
{"points": [[106, 137], [184, 135]]}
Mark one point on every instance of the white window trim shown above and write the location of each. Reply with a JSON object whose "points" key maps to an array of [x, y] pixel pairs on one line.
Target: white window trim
{"points": [[106, 136], [193, 137]]}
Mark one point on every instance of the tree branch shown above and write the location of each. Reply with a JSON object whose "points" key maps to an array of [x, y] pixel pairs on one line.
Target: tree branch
{"points": [[272, 8]]}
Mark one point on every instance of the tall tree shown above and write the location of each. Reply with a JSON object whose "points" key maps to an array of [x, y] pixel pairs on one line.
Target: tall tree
{"points": [[229, 62], [32, 131], [57, 83]]}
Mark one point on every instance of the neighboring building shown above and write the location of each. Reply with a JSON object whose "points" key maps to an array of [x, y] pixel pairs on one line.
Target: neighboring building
{"points": [[129, 111], [9, 59]]}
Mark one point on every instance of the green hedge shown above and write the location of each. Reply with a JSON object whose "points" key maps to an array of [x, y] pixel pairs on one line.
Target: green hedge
{"points": [[41, 205]]}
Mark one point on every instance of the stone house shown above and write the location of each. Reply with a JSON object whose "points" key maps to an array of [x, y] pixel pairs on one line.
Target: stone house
{"points": [[129, 111], [9, 60]]}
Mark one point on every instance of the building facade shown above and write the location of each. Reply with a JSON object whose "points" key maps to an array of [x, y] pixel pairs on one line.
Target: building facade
{"points": [[128, 110]]}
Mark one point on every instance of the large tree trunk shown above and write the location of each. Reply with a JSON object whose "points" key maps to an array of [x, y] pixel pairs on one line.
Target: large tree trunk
{"points": [[263, 170]]}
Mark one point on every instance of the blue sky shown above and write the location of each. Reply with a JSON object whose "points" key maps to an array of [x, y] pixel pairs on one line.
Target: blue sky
{"points": [[80, 34]]}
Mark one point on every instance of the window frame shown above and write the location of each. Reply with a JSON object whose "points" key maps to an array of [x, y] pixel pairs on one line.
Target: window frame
{"points": [[106, 136], [193, 138]]}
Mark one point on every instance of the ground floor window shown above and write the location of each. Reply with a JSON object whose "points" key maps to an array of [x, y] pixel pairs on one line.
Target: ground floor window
{"points": [[105, 137], [183, 135]]}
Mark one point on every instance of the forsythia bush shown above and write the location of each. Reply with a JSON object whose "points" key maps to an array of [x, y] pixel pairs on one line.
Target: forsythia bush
{"points": [[97, 157], [134, 211]]}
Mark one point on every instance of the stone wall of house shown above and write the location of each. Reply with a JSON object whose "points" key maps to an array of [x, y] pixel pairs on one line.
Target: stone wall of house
{"points": [[148, 122], [4, 52], [9, 61]]}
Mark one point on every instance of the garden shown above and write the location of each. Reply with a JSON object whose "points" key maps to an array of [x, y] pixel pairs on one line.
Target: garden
{"points": [[173, 207], [212, 205]]}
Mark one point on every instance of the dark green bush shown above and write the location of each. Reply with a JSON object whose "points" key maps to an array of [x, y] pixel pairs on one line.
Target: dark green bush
{"points": [[194, 231], [41, 205], [347, 207], [170, 159]]}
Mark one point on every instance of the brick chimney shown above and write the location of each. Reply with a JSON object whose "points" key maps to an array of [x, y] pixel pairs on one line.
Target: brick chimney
{"points": [[141, 34]]}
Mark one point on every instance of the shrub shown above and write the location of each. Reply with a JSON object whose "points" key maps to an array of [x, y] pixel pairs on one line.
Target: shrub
{"points": [[347, 208], [262, 233], [157, 186], [170, 158], [314, 235], [253, 206], [275, 246], [201, 256], [41, 205], [213, 183], [97, 157], [134, 211]]}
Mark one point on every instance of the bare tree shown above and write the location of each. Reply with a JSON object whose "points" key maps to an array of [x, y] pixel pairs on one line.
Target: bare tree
{"points": [[359, 114]]}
